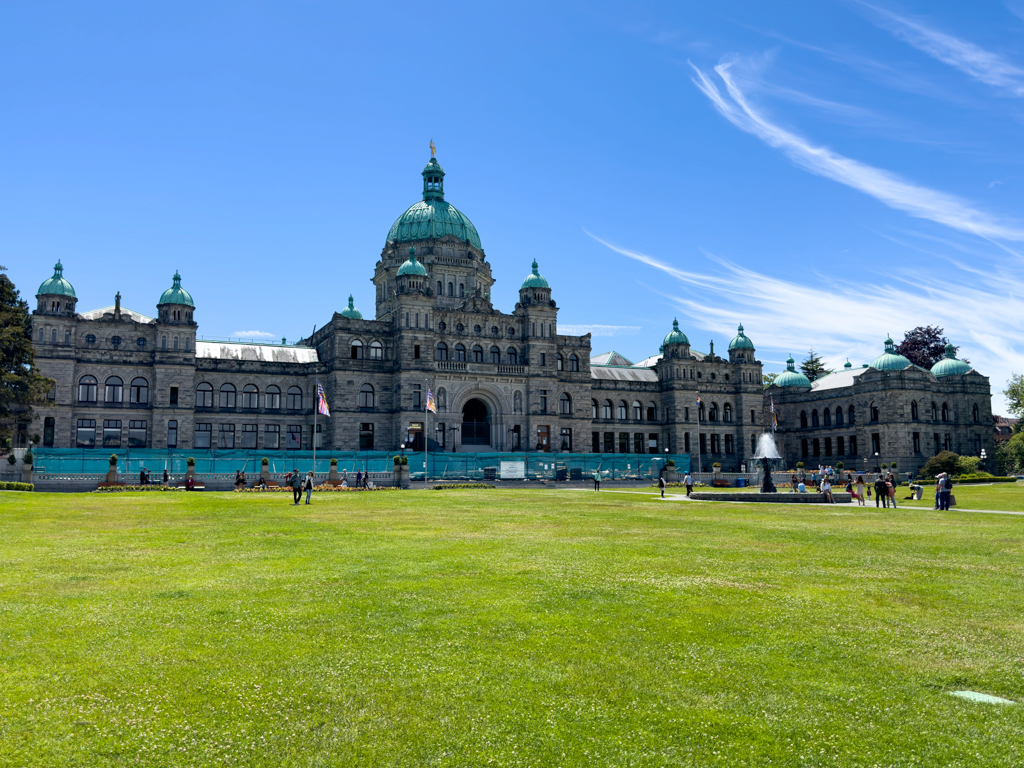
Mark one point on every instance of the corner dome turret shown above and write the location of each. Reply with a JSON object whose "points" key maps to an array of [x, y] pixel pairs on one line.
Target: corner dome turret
{"points": [[56, 285], [741, 341], [411, 266], [534, 279], [433, 217], [791, 377], [949, 365], [889, 360], [176, 294], [351, 311], [675, 336]]}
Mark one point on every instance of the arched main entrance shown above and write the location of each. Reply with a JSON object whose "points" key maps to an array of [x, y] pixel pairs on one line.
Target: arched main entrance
{"points": [[476, 429]]}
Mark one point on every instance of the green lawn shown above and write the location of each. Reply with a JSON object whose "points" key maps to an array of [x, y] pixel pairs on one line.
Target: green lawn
{"points": [[507, 628]]}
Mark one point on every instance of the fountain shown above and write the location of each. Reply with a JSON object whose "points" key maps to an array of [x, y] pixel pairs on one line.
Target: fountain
{"points": [[765, 453]]}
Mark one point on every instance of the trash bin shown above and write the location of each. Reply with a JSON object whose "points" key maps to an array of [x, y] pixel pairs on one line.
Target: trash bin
{"points": [[741, 482], [561, 474], [490, 473]]}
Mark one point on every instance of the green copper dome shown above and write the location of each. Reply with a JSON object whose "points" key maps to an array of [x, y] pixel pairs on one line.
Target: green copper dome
{"points": [[432, 217], [534, 279], [56, 285], [791, 377], [412, 267], [176, 294], [675, 336], [889, 360], [352, 312], [741, 341], [949, 365]]}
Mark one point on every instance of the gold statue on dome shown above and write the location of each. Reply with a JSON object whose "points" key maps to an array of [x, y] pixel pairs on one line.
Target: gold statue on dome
{"points": [[433, 148]]}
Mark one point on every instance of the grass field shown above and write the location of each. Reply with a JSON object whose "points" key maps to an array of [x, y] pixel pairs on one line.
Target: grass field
{"points": [[506, 628]]}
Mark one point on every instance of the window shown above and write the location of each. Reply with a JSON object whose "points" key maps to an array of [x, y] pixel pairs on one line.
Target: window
{"points": [[593, 410], [574, 364], [623, 442], [803, 419], [559, 362], [226, 438], [172, 433], [204, 395], [460, 353], [250, 397], [543, 359], [686, 442], [512, 356], [917, 442], [803, 448], [638, 442], [913, 409], [595, 441], [272, 436], [841, 446], [873, 411], [357, 350], [622, 415], [90, 339], [293, 437], [115, 341], [839, 417], [48, 425], [827, 416], [272, 399], [249, 432], [53, 335], [814, 418], [853, 445], [138, 392], [451, 290], [543, 401], [173, 396], [137, 434], [652, 412], [416, 351], [975, 414], [948, 442], [828, 446], [293, 400], [495, 355], [441, 326], [945, 412], [366, 437], [113, 390], [652, 443], [566, 439], [716, 443], [462, 290], [376, 350], [729, 449], [686, 413], [852, 414], [817, 447], [163, 342], [459, 327], [441, 352], [935, 411], [478, 353], [876, 443], [318, 436], [227, 396], [753, 444], [606, 409], [727, 412], [111, 433], [86, 435], [175, 342], [936, 442], [417, 396], [638, 411], [565, 404], [366, 396], [440, 288], [713, 413], [87, 390], [140, 342]]}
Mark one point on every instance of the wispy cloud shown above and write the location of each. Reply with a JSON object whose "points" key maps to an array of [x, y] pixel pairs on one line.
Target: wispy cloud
{"points": [[985, 66], [883, 185], [599, 330], [254, 335]]}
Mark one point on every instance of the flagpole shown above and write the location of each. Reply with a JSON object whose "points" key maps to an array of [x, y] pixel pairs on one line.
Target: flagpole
{"points": [[700, 465], [426, 448], [316, 407]]}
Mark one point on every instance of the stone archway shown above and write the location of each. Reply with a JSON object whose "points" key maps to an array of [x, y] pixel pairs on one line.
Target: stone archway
{"points": [[476, 423]]}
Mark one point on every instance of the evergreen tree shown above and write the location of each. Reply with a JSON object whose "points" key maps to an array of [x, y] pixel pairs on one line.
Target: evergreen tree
{"points": [[813, 368], [1015, 395], [21, 385], [923, 346]]}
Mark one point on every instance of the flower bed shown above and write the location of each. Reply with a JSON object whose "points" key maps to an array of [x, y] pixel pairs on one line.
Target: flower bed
{"points": [[123, 488], [460, 486], [316, 489]]}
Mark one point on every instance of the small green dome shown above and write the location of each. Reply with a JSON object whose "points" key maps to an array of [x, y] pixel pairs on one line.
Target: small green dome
{"points": [[949, 365], [848, 365], [176, 294], [433, 217], [352, 312], [675, 336], [889, 360], [56, 285], [412, 267], [534, 279], [791, 377], [741, 341]]}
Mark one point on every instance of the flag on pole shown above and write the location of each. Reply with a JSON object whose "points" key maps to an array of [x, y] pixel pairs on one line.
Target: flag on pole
{"points": [[321, 400], [775, 416], [430, 401]]}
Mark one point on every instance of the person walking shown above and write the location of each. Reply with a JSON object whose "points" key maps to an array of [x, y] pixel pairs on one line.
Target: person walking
{"points": [[167, 476], [891, 485], [881, 493], [308, 485], [661, 484], [945, 493], [688, 481], [861, 491], [597, 480], [938, 489], [359, 478], [296, 484]]}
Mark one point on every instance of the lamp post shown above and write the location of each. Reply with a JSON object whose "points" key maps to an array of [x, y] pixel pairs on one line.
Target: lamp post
{"points": [[455, 438], [876, 462], [984, 456], [403, 450]]}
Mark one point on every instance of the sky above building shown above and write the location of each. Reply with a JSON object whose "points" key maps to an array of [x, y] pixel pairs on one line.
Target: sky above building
{"points": [[826, 173]]}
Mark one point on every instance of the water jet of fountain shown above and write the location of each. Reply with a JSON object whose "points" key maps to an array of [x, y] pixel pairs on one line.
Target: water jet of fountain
{"points": [[767, 452]]}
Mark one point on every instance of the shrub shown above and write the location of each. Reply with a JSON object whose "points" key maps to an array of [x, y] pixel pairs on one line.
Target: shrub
{"points": [[799, 465], [5, 486], [334, 462], [12, 460], [717, 465], [398, 460], [969, 465], [123, 488], [28, 458], [405, 460], [265, 462], [670, 463], [113, 459], [456, 486], [840, 465], [190, 461], [945, 461]]}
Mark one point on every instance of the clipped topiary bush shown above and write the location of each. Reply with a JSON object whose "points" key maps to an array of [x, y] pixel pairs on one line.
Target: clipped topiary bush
{"points": [[190, 461], [28, 458], [334, 462], [265, 462], [113, 459]]}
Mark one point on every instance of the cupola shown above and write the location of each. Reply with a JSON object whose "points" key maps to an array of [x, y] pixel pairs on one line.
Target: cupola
{"points": [[411, 266], [535, 289], [791, 377], [741, 349], [412, 276], [675, 336], [889, 360], [433, 217], [351, 311], [175, 305], [56, 295], [949, 365]]}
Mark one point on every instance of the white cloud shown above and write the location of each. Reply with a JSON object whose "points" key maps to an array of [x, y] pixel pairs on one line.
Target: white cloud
{"points": [[598, 330], [883, 185], [985, 66], [254, 335]]}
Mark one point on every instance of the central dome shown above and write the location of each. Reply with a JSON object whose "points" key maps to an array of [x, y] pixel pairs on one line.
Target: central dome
{"points": [[433, 217]]}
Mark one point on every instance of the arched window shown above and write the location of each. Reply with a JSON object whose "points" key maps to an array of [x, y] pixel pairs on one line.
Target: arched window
{"points": [[376, 350], [451, 289], [113, 390], [727, 412], [294, 399], [873, 412], [272, 399], [366, 396], [513, 356], [227, 396], [53, 336], [814, 418], [175, 345], [593, 409], [913, 409], [975, 412], [852, 413], [622, 410], [638, 411], [935, 411], [460, 353], [559, 362], [495, 355], [357, 350], [87, 389], [652, 412], [606, 409], [700, 411], [803, 419], [839, 416], [827, 417], [945, 412], [204, 395], [574, 363], [713, 412], [250, 397], [478, 353], [139, 392], [462, 290], [441, 352], [440, 288], [565, 404]]}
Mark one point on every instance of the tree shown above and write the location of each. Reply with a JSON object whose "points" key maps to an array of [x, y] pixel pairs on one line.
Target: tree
{"points": [[813, 368], [768, 379], [21, 385], [944, 461], [924, 346], [1015, 394]]}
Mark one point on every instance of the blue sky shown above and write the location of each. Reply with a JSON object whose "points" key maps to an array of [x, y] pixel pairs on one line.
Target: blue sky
{"points": [[823, 172]]}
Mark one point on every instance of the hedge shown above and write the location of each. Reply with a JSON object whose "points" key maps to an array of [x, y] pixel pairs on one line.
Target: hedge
{"points": [[457, 486], [6, 486], [123, 488]]}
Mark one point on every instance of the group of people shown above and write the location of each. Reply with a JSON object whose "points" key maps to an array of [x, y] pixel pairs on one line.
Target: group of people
{"points": [[943, 491], [299, 484], [145, 478]]}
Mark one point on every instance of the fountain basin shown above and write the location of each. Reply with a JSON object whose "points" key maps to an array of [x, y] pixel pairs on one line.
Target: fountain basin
{"points": [[774, 498]]}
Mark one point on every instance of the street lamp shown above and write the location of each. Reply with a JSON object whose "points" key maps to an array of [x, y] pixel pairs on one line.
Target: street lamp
{"points": [[403, 450]]}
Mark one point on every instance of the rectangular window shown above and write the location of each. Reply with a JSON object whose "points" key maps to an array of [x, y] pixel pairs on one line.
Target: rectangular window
{"points": [[111, 434], [876, 443], [318, 438], [406, 319], [917, 442], [623, 442], [543, 401], [716, 443], [172, 434], [204, 435], [86, 437], [638, 442], [137, 434], [293, 437], [226, 437], [543, 359], [566, 439], [249, 433], [841, 443], [533, 332], [609, 442], [938, 445], [48, 424], [803, 448], [686, 414], [703, 445], [595, 442], [853, 445], [272, 437], [416, 351], [728, 445], [652, 442], [817, 447], [417, 396], [174, 396], [366, 437], [828, 446], [686, 442], [417, 319]]}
